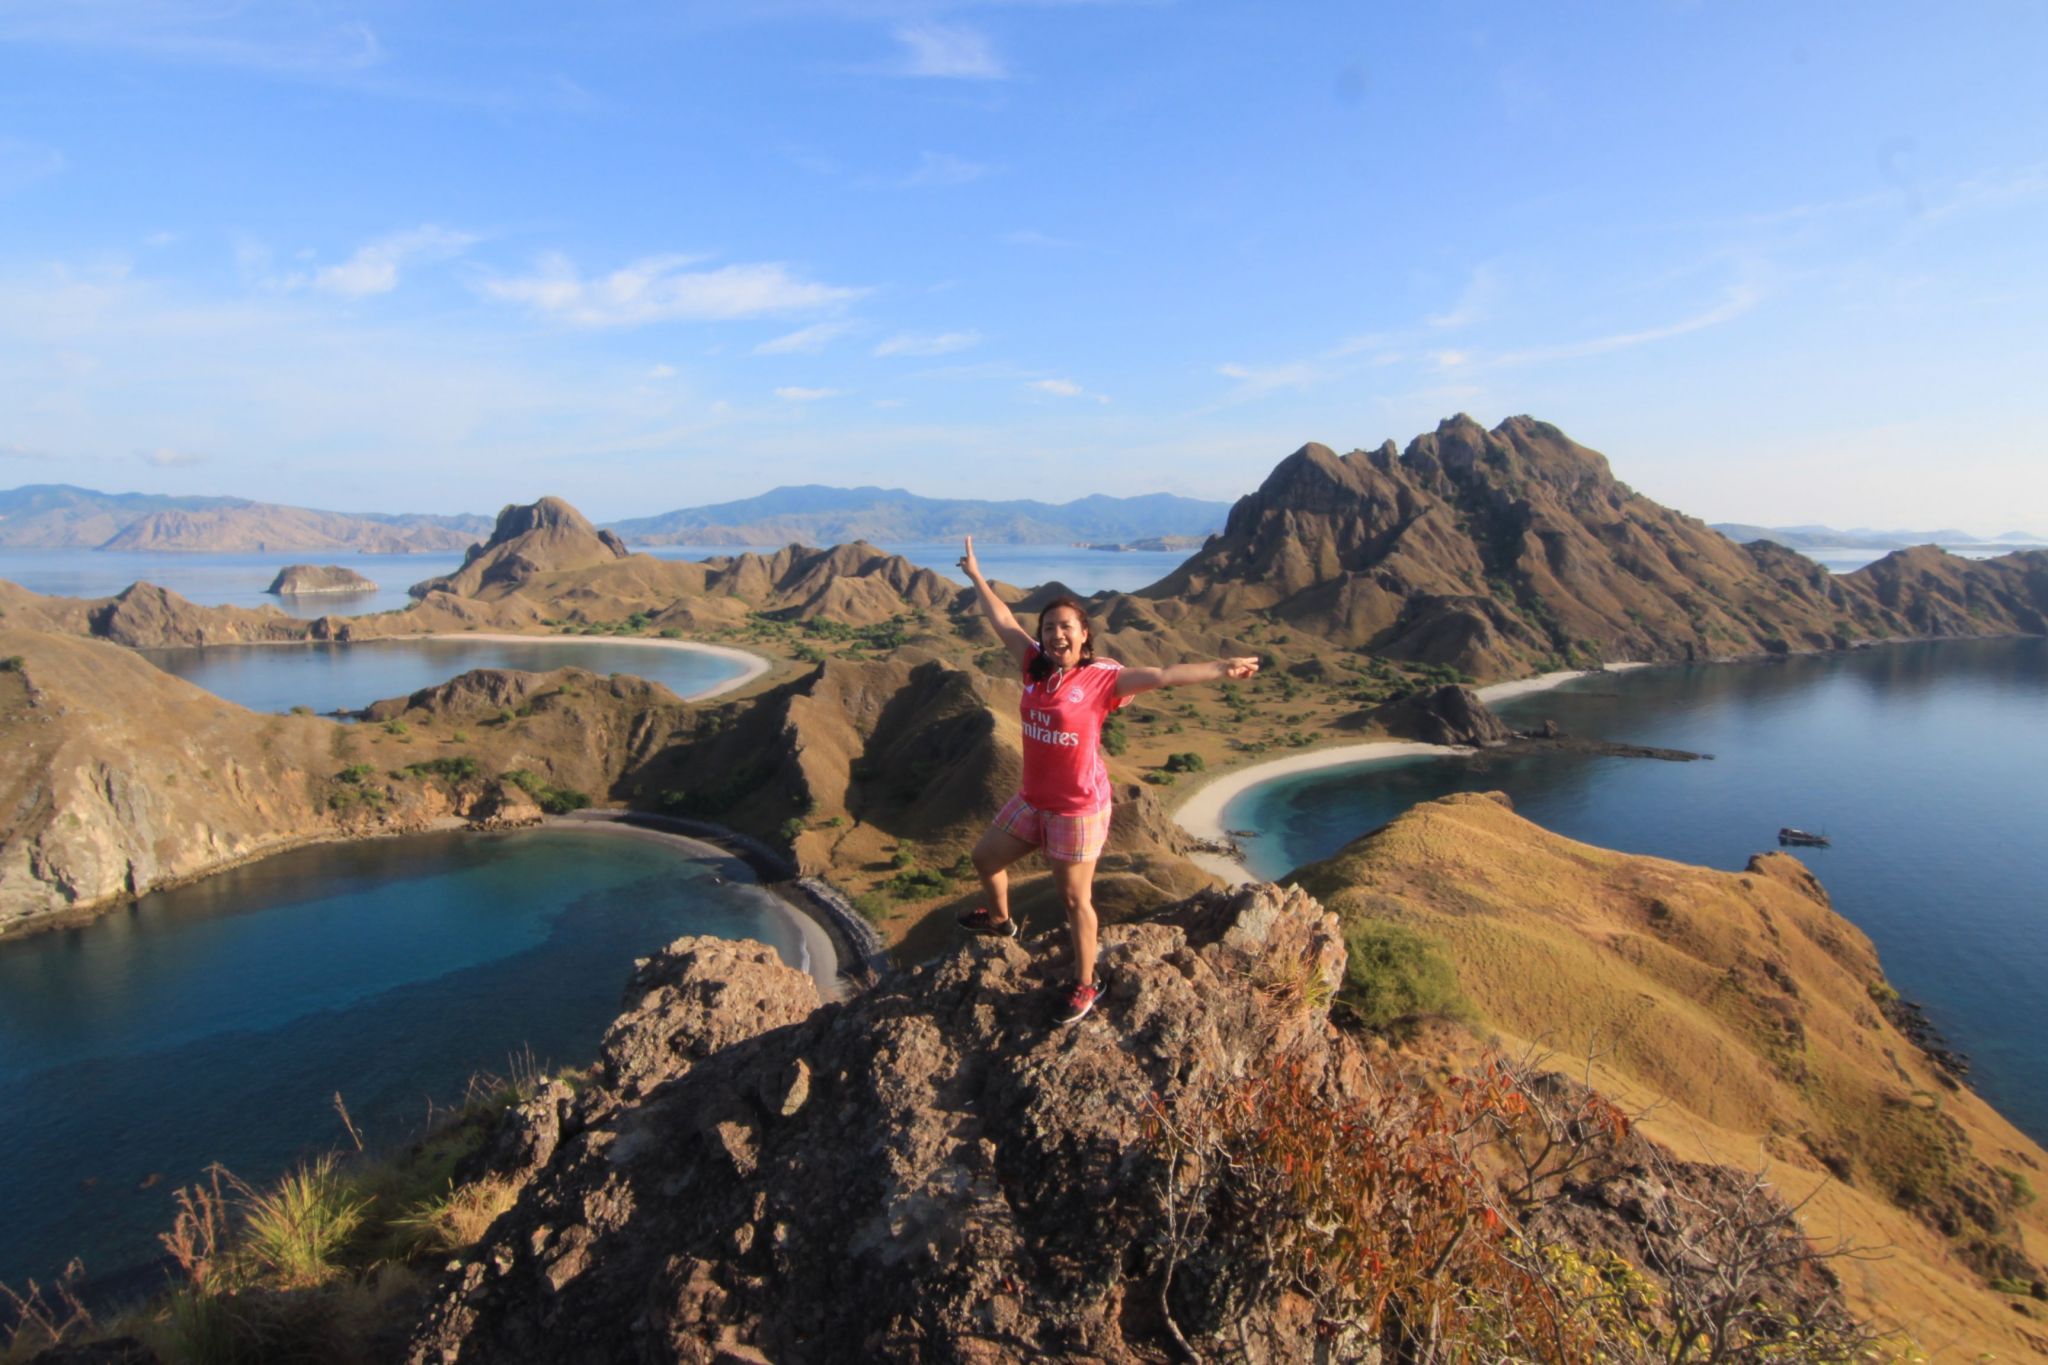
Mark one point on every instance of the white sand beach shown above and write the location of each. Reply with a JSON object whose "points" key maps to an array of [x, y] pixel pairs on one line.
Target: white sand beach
{"points": [[754, 664], [1202, 813]]}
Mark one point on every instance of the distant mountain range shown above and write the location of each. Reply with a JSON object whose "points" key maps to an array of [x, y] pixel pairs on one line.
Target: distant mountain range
{"points": [[62, 517], [59, 516], [1863, 538], [814, 514]]}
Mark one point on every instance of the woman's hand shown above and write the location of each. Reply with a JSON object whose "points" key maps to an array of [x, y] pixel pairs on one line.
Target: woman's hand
{"points": [[1240, 668], [969, 564]]}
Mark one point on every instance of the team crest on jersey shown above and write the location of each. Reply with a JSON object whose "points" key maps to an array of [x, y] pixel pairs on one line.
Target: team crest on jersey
{"points": [[1074, 695]]}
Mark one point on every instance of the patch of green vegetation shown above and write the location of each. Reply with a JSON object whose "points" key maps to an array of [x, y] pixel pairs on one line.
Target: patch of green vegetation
{"points": [[2019, 1190], [1189, 762], [1395, 978], [873, 908], [354, 773], [458, 768], [1115, 737], [13, 663], [550, 798], [1159, 779], [396, 727]]}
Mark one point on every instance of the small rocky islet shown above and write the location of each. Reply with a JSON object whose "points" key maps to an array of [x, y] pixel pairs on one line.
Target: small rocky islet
{"points": [[873, 752]]}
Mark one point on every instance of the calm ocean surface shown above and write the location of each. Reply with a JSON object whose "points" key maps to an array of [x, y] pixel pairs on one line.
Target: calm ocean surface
{"points": [[216, 1022], [335, 677], [1924, 762]]}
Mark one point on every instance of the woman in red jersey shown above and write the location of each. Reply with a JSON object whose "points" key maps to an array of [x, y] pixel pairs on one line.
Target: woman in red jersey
{"points": [[1062, 805]]}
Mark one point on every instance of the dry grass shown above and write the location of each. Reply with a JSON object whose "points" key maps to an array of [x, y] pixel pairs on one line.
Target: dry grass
{"points": [[1739, 1001]]}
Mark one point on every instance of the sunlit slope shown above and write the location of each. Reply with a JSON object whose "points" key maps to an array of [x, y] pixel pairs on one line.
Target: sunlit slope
{"points": [[1747, 1009]]}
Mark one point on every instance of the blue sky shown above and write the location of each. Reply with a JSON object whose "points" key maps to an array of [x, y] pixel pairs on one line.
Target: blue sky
{"points": [[1781, 263]]}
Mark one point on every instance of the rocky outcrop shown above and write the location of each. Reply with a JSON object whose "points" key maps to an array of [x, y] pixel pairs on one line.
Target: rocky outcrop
{"points": [[927, 1172], [298, 580], [529, 540], [1442, 715]]}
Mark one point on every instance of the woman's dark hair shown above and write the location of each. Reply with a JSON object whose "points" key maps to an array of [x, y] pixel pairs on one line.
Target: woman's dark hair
{"points": [[1040, 667]]}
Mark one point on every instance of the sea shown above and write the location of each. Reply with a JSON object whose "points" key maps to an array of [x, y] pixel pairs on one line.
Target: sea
{"points": [[226, 1021], [1921, 762]]}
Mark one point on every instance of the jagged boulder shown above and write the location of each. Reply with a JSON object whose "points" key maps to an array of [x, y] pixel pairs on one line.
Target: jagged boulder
{"points": [[1444, 715], [931, 1171]]}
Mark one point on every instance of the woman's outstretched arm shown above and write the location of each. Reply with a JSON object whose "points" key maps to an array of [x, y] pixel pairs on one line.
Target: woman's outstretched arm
{"points": [[1015, 638], [1131, 681]]}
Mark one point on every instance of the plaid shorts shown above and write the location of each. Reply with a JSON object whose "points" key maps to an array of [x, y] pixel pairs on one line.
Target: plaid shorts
{"points": [[1063, 838]]}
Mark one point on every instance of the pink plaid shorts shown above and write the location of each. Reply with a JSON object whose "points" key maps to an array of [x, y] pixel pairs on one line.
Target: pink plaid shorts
{"points": [[1063, 838]]}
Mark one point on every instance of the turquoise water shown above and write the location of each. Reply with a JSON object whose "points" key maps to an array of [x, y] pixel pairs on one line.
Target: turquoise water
{"points": [[217, 1021], [346, 677], [1924, 762]]}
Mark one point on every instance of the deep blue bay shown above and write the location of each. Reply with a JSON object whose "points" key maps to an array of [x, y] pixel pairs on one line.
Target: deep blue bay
{"points": [[333, 677], [1924, 763], [216, 1021]]}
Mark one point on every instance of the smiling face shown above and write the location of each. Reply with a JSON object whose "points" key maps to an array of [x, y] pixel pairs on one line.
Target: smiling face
{"points": [[1062, 633]]}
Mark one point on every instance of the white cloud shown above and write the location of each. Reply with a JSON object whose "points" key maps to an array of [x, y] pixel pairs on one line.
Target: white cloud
{"points": [[1033, 237], [942, 168], [793, 394], [805, 340], [1066, 388], [1472, 305], [15, 452], [164, 457], [1256, 381], [290, 39], [663, 289], [948, 52], [374, 267], [942, 343], [662, 372], [1740, 300]]}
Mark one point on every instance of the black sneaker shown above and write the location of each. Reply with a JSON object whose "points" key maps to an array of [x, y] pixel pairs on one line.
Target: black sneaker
{"points": [[1081, 1002], [979, 921]]}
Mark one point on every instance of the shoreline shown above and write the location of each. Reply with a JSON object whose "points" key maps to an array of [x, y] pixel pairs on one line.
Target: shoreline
{"points": [[820, 953], [752, 666], [1201, 814]]}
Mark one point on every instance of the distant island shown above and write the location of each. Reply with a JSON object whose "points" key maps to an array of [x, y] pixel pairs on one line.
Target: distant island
{"points": [[813, 514], [64, 517], [1863, 538], [296, 580], [1153, 543]]}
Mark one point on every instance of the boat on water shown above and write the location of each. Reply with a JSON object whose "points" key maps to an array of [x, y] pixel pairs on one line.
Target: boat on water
{"points": [[1801, 837]]}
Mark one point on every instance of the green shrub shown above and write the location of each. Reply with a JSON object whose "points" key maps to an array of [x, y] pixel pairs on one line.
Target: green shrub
{"points": [[302, 710], [297, 1230], [550, 798], [1185, 763], [459, 768], [788, 830], [354, 773], [1115, 738], [873, 908], [395, 727], [1394, 977], [13, 663], [1160, 779]]}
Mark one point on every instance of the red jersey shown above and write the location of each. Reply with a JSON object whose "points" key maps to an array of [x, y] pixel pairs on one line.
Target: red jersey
{"points": [[1063, 768]]}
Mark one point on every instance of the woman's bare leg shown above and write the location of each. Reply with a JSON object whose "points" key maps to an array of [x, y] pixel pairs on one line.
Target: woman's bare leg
{"points": [[992, 856], [1076, 882]]}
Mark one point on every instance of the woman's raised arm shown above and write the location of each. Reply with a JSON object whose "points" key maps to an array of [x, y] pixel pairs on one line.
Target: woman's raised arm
{"points": [[1131, 681], [1015, 638]]}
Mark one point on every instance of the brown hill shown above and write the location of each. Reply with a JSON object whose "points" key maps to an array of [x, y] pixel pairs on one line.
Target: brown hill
{"points": [[255, 528], [1748, 1012], [529, 539], [301, 579], [1508, 552]]}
